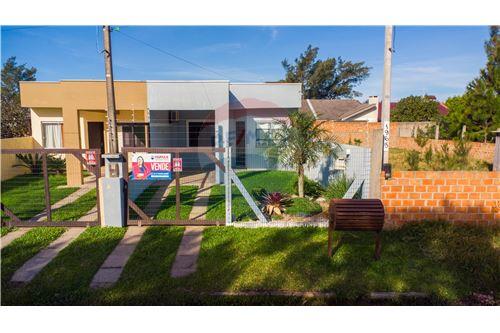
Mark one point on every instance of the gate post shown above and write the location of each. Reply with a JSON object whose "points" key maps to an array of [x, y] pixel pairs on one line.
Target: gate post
{"points": [[227, 184], [113, 193]]}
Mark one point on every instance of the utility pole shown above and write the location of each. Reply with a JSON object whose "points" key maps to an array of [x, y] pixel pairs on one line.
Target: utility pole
{"points": [[110, 91], [386, 102]]}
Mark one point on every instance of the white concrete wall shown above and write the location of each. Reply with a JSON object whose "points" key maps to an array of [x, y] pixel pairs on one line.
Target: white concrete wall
{"points": [[265, 95], [40, 115]]}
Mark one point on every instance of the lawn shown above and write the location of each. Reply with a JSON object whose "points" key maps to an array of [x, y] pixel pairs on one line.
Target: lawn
{"points": [[143, 200], [25, 247], [66, 279], [269, 180], [25, 195], [78, 208], [448, 262], [167, 209]]}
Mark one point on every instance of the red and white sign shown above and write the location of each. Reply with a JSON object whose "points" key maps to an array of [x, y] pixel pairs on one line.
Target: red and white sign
{"points": [[177, 164], [90, 157]]}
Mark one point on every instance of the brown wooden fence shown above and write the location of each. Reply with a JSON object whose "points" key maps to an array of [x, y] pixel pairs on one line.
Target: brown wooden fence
{"points": [[24, 204]]}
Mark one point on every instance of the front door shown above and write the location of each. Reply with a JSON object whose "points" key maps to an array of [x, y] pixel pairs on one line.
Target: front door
{"points": [[96, 136], [240, 144]]}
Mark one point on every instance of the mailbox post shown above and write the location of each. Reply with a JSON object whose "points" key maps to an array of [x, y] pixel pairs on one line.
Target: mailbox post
{"points": [[113, 192]]}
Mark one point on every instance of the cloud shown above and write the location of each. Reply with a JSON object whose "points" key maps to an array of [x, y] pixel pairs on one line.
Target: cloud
{"points": [[442, 77]]}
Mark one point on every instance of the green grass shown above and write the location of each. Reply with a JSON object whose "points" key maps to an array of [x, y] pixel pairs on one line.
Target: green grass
{"points": [[78, 208], [143, 200], [66, 279], [25, 247], [25, 195], [449, 262], [167, 209], [216, 209], [303, 207], [5, 230], [146, 277], [271, 181]]}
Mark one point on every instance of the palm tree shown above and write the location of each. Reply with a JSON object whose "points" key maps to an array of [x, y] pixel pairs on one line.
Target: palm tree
{"points": [[301, 141]]}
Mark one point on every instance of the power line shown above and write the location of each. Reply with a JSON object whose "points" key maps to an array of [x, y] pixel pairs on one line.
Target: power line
{"points": [[24, 28], [173, 55]]}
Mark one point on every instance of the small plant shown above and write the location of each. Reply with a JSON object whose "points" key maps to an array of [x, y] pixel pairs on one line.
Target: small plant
{"points": [[357, 142], [312, 188], [274, 203], [413, 159], [462, 150], [428, 156], [34, 162], [338, 187], [421, 137]]}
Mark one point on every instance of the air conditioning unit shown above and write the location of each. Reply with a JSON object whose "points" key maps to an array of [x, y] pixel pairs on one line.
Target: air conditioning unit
{"points": [[173, 117]]}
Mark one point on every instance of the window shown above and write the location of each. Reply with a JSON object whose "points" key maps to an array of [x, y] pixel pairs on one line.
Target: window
{"points": [[201, 134], [135, 135], [52, 135], [264, 134]]}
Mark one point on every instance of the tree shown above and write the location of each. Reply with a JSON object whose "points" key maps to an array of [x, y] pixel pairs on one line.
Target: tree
{"points": [[415, 108], [15, 119], [451, 125], [482, 95], [300, 142], [325, 79]]}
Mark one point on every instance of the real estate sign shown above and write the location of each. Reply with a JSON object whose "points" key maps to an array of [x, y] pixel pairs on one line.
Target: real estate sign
{"points": [[151, 166]]}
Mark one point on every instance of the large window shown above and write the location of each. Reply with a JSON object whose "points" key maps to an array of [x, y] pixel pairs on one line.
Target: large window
{"points": [[201, 134], [52, 135], [135, 135], [264, 134]]}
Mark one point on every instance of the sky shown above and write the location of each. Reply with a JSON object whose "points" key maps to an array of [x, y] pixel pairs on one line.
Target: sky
{"points": [[437, 61]]}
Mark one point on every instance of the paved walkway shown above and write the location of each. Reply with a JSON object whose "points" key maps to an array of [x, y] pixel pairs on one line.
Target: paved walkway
{"points": [[187, 255], [112, 268], [200, 203], [33, 266], [156, 200], [12, 236], [85, 188], [90, 216]]}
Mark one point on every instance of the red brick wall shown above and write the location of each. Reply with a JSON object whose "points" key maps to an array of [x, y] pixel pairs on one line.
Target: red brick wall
{"points": [[479, 150], [348, 131], [455, 196]]}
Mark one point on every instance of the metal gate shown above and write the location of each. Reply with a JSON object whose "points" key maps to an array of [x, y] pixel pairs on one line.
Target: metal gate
{"points": [[36, 193], [161, 202]]}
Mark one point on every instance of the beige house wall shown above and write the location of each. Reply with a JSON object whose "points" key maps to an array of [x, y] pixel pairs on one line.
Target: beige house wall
{"points": [[41, 115], [81, 101], [8, 170]]}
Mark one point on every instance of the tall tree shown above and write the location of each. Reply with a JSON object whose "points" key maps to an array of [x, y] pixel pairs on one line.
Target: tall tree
{"points": [[15, 119], [325, 79], [300, 142], [415, 108], [482, 95]]}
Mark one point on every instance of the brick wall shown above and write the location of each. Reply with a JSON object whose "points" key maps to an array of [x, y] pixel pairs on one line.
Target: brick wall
{"points": [[346, 132], [479, 150], [455, 196]]}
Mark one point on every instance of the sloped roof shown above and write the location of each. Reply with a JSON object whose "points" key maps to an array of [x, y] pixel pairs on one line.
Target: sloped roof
{"points": [[334, 109]]}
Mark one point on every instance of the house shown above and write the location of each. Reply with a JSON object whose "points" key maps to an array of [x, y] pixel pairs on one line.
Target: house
{"points": [[353, 110], [343, 109], [72, 114]]}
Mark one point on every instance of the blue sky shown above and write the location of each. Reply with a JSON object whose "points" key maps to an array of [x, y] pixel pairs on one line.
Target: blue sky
{"points": [[433, 60]]}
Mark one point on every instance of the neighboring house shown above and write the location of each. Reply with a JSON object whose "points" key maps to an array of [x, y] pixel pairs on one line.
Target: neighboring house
{"points": [[352, 110], [72, 114]]}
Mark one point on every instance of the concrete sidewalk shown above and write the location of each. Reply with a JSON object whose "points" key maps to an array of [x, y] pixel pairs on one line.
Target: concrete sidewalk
{"points": [[33, 266], [12, 236], [187, 255]]}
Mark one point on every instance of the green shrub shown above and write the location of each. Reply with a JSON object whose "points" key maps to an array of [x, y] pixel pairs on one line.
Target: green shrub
{"points": [[338, 187], [428, 156], [34, 163], [413, 159], [421, 137], [312, 188], [303, 207]]}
